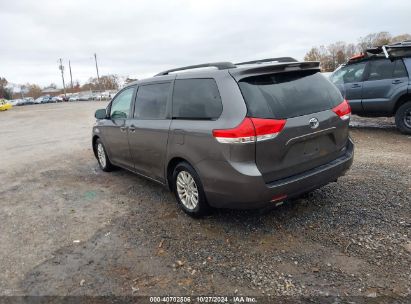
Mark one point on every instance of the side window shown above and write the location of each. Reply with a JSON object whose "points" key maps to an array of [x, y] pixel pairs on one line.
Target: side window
{"points": [[120, 106], [380, 69], [337, 75], [353, 73], [151, 101], [399, 70], [196, 99]]}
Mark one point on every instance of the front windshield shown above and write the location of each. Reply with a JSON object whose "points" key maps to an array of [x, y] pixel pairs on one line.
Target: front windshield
{"points": [[337, 75], [348, 74]]}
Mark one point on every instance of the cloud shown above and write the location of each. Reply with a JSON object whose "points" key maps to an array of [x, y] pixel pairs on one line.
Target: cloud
{"points": [[140, 38]]}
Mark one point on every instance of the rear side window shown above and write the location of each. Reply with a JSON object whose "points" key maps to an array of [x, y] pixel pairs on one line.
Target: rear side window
{"points": [[196, 99], [399, 70], [151, 102], [380, 69], [287, 95]]}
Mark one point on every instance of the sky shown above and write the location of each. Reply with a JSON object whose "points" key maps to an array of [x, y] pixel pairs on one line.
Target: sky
{"points": [[140, 38]]}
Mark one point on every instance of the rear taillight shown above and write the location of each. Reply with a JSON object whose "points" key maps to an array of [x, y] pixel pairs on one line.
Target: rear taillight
{"points": [[343, 110], [267, 128], [250, 130]]}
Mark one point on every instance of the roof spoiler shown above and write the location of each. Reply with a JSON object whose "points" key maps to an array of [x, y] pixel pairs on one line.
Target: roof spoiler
{"points": [[242, 72], [228, 65], [278, 59]]}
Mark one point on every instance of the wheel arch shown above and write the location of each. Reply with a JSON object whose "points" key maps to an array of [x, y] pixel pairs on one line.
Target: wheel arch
{"points": [[400, 101], [95, 137], [170, 169]]}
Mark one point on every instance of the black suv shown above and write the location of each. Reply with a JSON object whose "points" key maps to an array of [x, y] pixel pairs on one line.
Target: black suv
{"points": [[377, 83]]}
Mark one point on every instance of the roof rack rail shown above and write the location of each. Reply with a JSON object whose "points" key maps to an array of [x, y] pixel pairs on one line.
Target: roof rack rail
{"points": [[278, 59], [391, 51], [404, 43], [218, 65]]}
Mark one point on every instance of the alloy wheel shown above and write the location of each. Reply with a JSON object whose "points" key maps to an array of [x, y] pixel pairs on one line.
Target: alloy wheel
{"points": [[101, 155], [187, 190], [407, 118]]}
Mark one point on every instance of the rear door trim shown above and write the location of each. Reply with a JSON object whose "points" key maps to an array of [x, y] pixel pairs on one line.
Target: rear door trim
{"points": [[309, 135]]}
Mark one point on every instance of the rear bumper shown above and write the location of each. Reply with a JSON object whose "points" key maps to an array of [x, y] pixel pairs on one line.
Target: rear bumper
{"points": [[232, 189]]}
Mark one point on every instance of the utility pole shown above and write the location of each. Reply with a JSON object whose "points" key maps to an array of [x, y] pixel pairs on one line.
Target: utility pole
{"points": [[71, 77], [61, 68], [98, 76]]}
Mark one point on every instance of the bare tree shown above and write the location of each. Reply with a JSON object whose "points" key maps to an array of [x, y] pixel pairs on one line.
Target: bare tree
{"points": [[350, 50], [33, 90], [400, 38], [334, 54], [4, 91], [375, 39], [313, 55], [107, 82]]}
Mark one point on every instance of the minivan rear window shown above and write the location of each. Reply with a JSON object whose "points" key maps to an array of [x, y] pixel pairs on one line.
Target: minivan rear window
{"points": [[290, 94]]}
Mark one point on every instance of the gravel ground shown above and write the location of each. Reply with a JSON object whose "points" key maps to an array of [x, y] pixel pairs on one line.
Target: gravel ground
{"points": [[67, 228]]}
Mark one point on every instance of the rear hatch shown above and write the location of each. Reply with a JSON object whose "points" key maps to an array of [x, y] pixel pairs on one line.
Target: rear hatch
{"points": [[314, 115]]}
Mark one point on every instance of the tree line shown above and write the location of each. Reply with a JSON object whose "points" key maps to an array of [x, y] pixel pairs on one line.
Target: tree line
{"points": [[332, 55], [107, 82]]}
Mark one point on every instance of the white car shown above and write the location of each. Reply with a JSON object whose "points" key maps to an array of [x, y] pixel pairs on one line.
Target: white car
{"points": [[74, 98], [56, 99], [38, 100], [14, 102]]}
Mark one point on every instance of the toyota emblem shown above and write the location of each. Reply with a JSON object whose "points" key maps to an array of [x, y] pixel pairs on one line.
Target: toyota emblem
{"points": [[314, 123]]}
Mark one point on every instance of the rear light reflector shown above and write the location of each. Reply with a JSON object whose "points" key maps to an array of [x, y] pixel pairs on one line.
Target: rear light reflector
{"points": [[343, 110], [250, 130], [278, 198]]}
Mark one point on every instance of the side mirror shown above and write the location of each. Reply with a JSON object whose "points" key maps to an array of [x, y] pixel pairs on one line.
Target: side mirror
{"points": [[100, 114]]}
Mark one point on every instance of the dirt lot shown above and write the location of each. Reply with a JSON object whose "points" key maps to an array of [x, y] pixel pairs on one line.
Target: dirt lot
{"points": [[66, 227]]}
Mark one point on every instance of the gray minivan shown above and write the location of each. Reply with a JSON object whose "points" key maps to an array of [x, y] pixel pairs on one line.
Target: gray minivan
{"points": [[227, 135]]}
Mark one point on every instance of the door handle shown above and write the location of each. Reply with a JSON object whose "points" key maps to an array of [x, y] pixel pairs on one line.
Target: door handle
{"points": [[396, 81], [123, 129], [132, 128], [356, 85]]}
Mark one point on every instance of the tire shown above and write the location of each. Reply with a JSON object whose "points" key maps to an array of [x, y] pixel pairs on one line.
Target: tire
{"points": [[403, 118], [102, 157], [186, 180]]}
